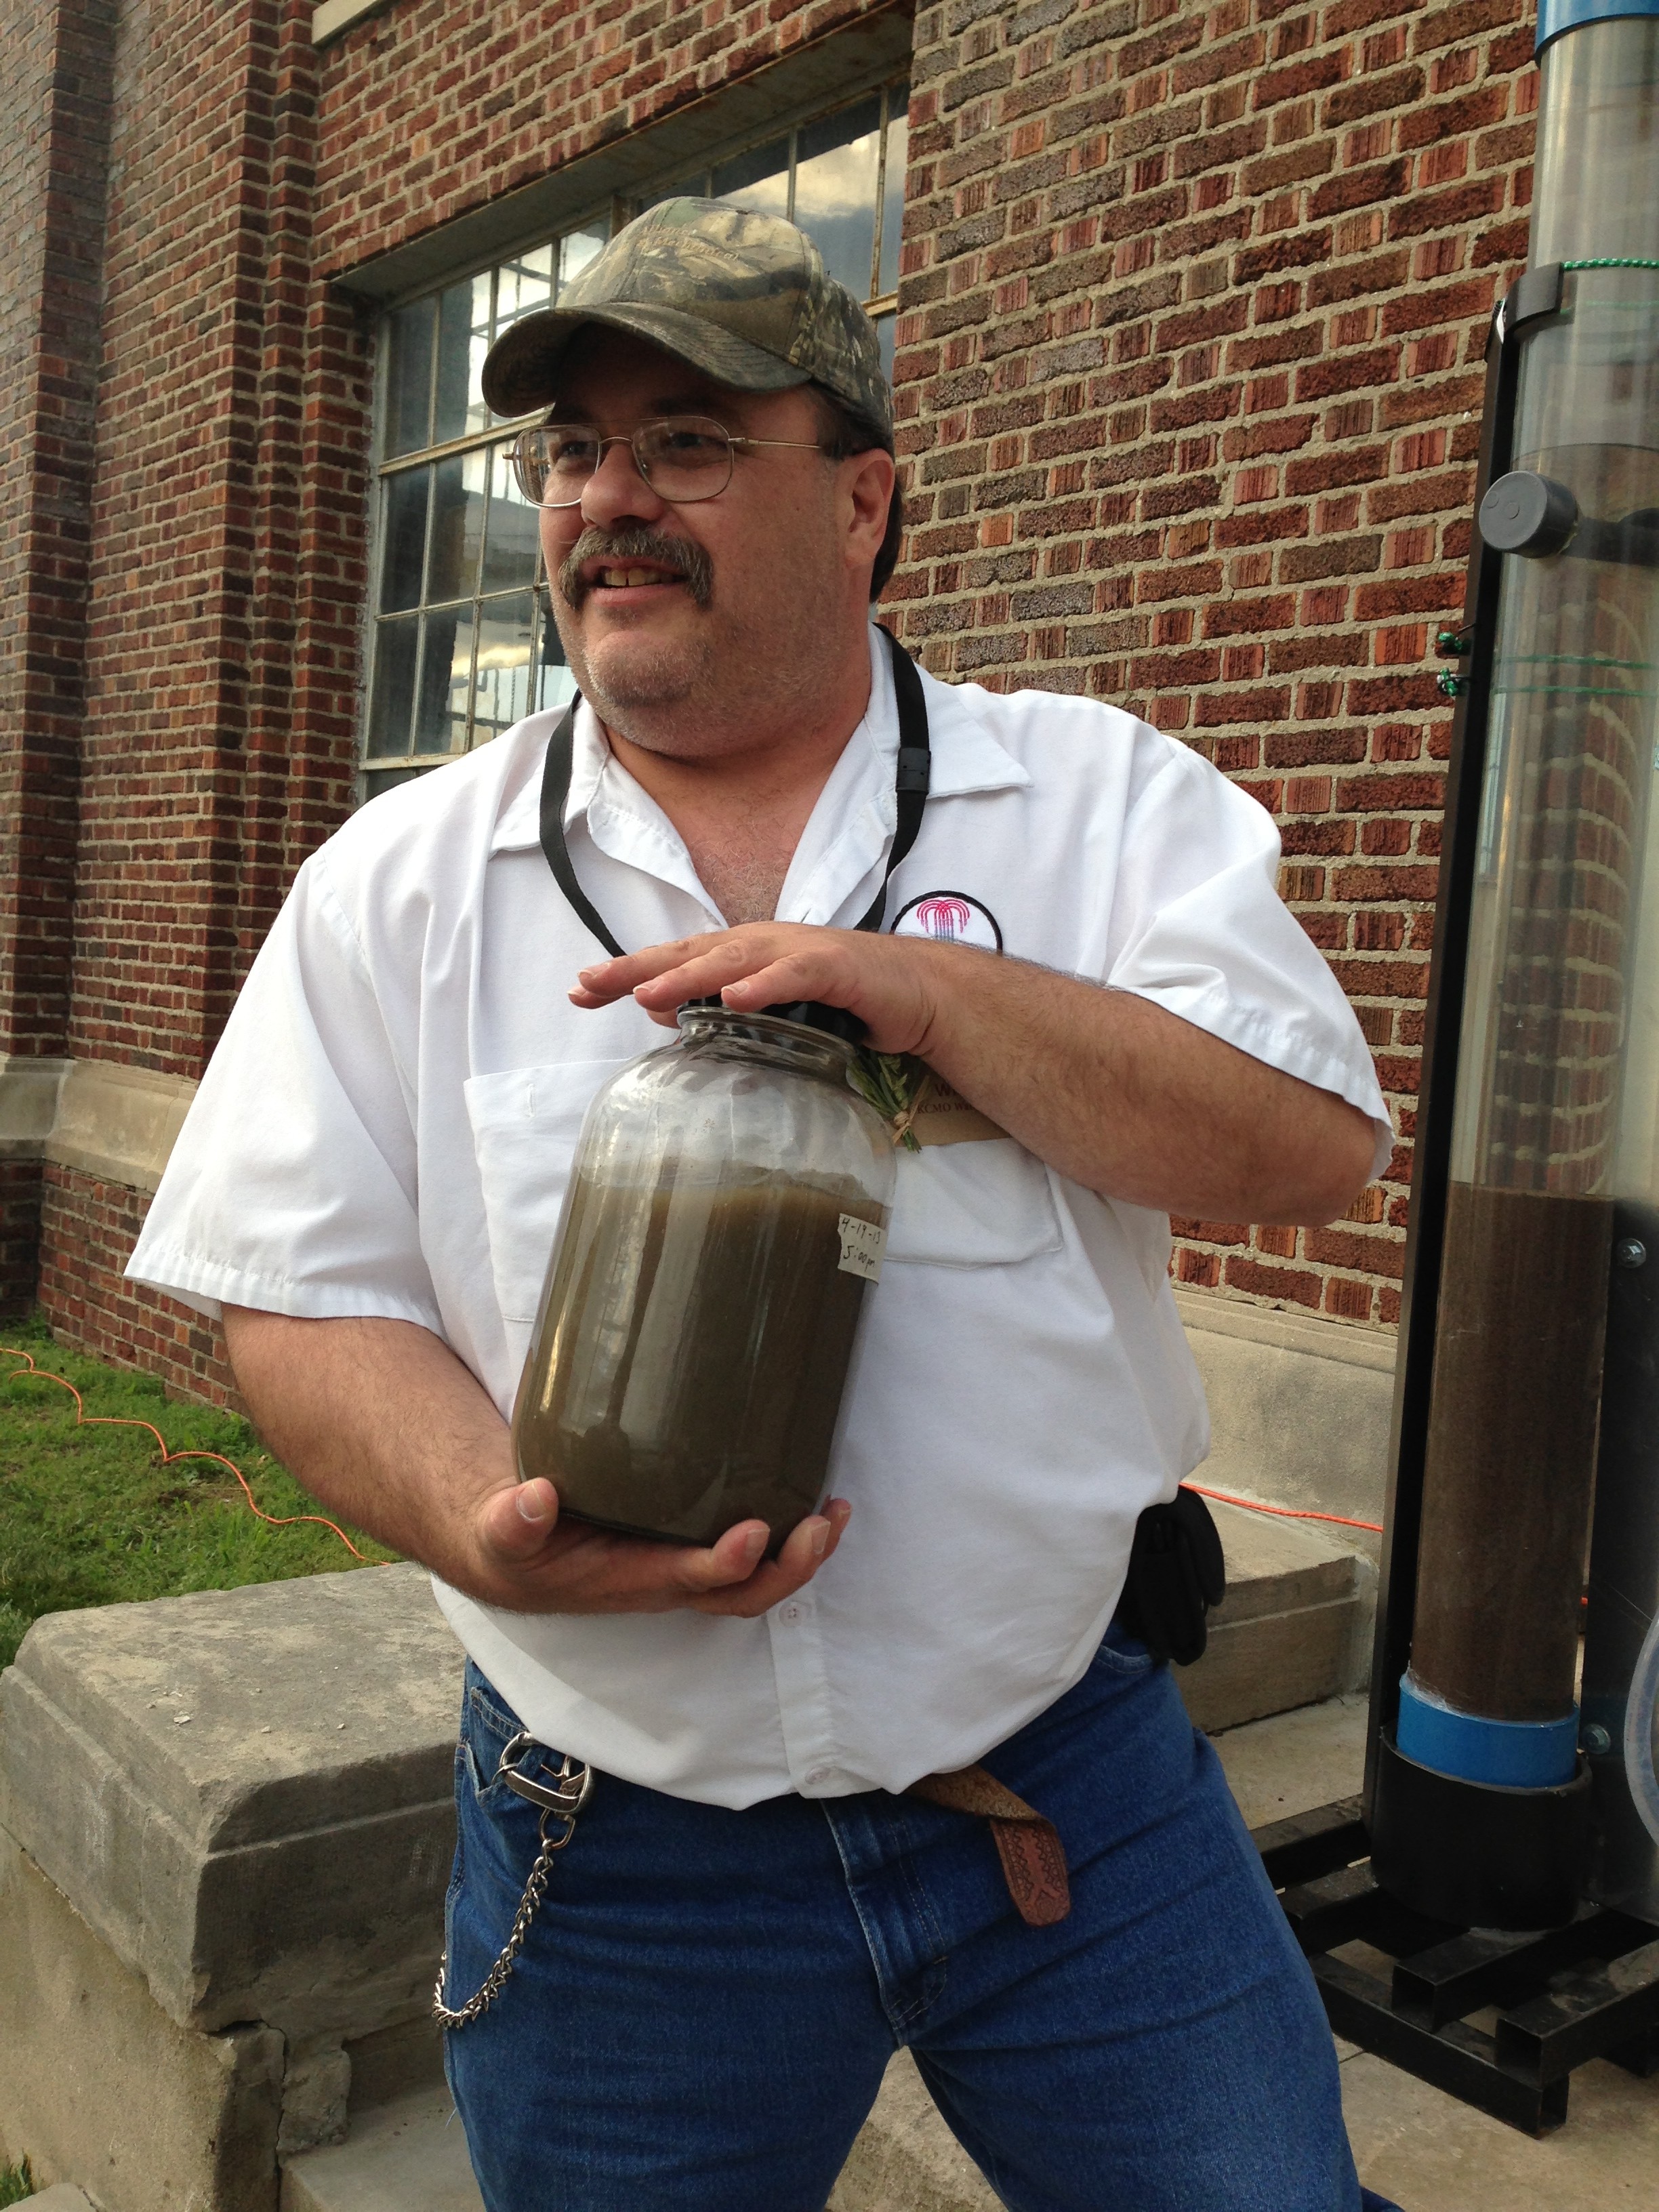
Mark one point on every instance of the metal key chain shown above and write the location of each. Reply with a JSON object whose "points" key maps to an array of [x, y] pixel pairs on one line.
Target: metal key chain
{"points": [[560, 1802]]}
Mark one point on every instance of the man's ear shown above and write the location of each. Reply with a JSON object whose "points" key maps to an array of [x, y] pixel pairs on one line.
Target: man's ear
{"points": [[867, 481]]}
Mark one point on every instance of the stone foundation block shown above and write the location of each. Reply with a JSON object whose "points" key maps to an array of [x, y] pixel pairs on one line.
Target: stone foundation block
{"points": [[100, 2088], [247, 1794]]}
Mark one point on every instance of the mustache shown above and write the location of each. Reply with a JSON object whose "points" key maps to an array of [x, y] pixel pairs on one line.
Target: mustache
{"points": [[683, 556]]}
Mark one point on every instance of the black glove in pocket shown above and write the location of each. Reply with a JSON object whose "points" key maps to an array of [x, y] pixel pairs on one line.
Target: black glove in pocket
{"points": [[1177, 1573]]}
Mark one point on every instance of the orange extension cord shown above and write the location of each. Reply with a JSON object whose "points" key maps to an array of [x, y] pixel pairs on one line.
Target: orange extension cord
{"points": [[1285, 1512], [84, 1419], [112, 1421]]}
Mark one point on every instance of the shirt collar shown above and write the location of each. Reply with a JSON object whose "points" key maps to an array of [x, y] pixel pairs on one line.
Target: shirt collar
{"points": [[850, 828]]}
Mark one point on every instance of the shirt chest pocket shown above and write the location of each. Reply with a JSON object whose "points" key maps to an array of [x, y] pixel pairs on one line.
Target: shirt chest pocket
{"points": [[972, 1206], [525, 1126]]}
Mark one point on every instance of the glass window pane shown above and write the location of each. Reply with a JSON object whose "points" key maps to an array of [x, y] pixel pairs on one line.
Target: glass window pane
{"points": [[395, 646], [836, 162], [555, 683], [386, 778], [501, 692], [700, 185], [576, 249], [409, 376], [892, 196], [758, 180], [510, 547], [403, 539], [446, 681], [458, 506], [463, 342], [522, 285]]}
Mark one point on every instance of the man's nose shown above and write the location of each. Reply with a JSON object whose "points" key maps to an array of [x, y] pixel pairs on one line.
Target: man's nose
{"points": [[617, 492]]}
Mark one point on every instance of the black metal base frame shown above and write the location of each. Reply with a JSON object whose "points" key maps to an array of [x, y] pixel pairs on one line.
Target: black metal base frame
{"points": [[1587, 1990]]}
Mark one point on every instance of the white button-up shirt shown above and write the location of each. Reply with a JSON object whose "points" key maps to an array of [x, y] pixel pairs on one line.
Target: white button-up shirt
{"points": [[387, 1126]]}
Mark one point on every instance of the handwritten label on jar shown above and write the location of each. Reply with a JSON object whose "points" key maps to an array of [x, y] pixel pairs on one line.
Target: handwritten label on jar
{"points": [[862, 1243]]}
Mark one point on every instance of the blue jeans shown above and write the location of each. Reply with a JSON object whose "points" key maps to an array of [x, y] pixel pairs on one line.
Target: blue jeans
{"points": [[700, 2018]]}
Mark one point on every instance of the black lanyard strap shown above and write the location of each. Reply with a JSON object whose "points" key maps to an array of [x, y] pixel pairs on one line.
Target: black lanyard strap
{"points": [[909, 785]]}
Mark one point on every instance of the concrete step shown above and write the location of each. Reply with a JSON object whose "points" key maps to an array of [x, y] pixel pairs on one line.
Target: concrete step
{"points": [[61, 2196], [1295, 1627], [408, 2155], [906, 2160]]}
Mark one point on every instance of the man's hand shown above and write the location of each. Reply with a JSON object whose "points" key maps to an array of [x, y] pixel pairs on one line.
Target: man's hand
{"points": [[535, 1562], [382, 1422], [892, 983]]}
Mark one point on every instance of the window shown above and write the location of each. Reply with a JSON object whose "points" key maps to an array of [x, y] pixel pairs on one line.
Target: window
{"points": [[463, 644]]}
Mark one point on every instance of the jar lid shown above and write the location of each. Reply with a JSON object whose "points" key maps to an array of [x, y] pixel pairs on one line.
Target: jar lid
{"points": [[808, 1013]]}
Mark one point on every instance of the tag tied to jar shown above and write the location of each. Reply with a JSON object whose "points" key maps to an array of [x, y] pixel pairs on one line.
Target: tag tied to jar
{"points": [[920, 1107], [862, 1243]]}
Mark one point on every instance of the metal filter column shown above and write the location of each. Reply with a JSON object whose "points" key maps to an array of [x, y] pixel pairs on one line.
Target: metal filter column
{"points": [[1480, 1800]]}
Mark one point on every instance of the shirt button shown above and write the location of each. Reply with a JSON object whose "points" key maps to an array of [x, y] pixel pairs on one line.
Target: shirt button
{"points": [[791, 1613], [817, 1778]]}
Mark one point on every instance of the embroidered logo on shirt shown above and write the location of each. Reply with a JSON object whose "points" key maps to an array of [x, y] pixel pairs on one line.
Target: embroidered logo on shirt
{"points": [[951, 918]]}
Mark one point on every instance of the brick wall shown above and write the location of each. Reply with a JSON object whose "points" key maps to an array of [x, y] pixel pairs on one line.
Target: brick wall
{"points": [[1193, 310], [433, 108], [1188, 380], [54, 144], [204, 776], [88, 1230]]}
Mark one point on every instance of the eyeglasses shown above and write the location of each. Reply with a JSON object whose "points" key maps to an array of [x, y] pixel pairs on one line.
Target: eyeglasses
{"points": [[684, 459]]}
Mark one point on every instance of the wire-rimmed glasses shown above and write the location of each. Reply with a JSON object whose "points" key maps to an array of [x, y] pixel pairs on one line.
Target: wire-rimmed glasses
{"points": [[683, 457]]}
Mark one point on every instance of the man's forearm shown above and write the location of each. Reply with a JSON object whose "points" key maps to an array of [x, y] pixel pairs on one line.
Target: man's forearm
{"points": [[1131, 1101], [381, 1421]]}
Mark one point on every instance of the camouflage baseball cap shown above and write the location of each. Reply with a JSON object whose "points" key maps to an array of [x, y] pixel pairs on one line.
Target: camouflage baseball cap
{"points": [[744, 298]]}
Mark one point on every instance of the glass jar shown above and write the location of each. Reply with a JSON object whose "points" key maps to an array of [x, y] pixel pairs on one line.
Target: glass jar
{"points": [[728, 1205]]}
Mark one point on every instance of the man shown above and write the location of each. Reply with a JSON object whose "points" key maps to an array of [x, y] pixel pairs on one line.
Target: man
{"points": [[746, 1914]]}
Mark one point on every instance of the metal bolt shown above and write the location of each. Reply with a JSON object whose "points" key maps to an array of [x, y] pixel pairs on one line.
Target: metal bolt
{"points": [[1596, 1739], [1630, 1252]]}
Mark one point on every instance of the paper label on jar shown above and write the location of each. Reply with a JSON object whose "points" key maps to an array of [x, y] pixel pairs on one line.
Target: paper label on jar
{"points": [[862, 1243]]}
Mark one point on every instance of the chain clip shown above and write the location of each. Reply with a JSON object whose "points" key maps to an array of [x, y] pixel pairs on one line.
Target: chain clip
{"points": [[561, 1802]]}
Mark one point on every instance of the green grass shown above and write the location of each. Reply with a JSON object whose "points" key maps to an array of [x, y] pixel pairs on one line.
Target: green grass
{"points": [[17, 2183], [92, 1515]]}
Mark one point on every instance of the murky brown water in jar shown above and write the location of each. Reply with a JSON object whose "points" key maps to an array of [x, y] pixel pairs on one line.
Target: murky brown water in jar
{"points": [[687, 1368]]}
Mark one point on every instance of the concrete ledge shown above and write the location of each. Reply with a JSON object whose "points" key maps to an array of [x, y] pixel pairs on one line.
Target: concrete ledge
{"points": [[1300, 1408], [29, 1091], [247, 1793], [1351, 1344], [62, 2196], [118, 1123], [334, 17]]}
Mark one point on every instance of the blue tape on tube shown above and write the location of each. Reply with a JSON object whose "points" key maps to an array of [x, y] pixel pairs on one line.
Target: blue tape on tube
{"points": [[1555, 16], [1514, 1755]]}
